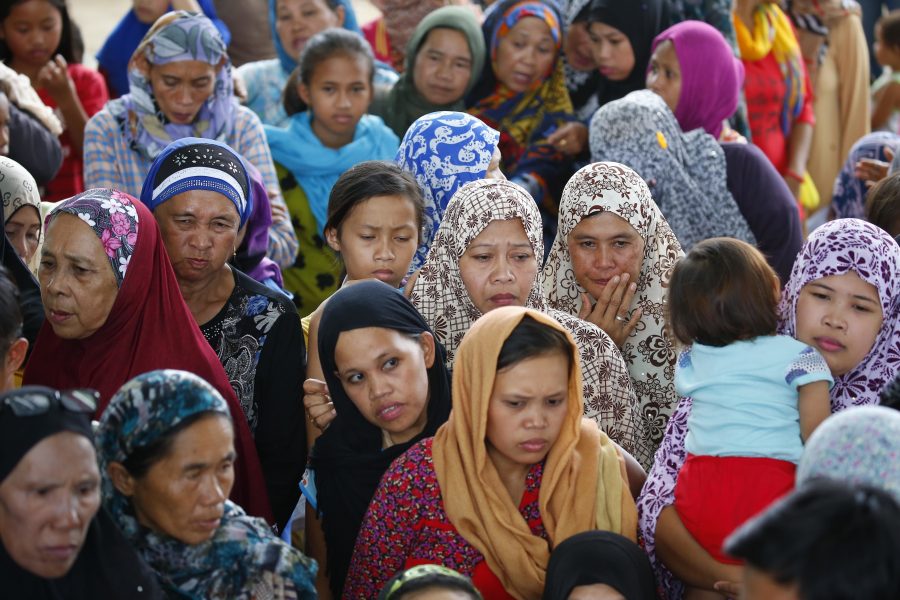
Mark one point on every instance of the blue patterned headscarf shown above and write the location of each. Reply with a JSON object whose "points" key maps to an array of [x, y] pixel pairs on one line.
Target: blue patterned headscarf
{"points": [[444, 151], [243, 558], [175, 37], [111, 215], [199, 164], [848, 198]]}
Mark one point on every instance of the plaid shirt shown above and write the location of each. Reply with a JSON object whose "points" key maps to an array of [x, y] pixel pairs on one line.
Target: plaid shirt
{"points": [[110, 163]]}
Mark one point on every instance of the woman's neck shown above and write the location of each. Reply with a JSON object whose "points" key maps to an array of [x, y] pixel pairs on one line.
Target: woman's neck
{"points": [[513, 475], [329, 139], [205, 298]]}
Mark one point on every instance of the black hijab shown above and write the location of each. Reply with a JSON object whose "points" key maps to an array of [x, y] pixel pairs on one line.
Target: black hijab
{"points": [[640, 21], [599, 557], [29, 292], [348, 459], [107, 566]]}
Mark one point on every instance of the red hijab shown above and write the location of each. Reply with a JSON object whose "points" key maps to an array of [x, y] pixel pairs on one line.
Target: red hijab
{"points": [[149, 327]]}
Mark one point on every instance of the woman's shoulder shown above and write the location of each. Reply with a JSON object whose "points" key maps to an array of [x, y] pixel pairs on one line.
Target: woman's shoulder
{"points": [[254, 289], [413, 468], [257, 70]]}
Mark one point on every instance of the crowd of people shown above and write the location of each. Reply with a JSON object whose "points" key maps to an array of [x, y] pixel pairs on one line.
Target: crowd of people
{"points": [[532, 299]]}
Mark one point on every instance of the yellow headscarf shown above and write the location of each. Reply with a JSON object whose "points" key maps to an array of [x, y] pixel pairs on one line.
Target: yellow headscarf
{"points": [[583, 486]]}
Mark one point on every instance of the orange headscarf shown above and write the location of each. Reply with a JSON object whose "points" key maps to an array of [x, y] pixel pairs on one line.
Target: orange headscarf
{"points": [[583, 486]]}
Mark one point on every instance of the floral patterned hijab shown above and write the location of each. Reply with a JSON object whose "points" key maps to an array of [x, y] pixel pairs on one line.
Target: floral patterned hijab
{"points": [[833, 249], [243, 558], [441, 296], [444, 151], [175, 37], [649, 352]]}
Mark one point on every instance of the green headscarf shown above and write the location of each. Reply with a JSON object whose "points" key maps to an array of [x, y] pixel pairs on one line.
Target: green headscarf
{"points": [[404, 104]]}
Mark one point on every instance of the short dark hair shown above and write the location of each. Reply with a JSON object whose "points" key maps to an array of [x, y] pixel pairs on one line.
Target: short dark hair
{"points": [[334, 41], [883, 204], [142, 458], [890, 28], [722, 291], [531, 338], [10, 311], [367, 180], [68, 41], [830, 539]]}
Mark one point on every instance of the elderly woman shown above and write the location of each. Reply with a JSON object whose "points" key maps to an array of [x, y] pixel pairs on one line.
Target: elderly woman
{"points": [[181, 86], [113, 310], [444, 59], [486, 255], [166, 449], [55, 541], [200, 193], [445, 151]]}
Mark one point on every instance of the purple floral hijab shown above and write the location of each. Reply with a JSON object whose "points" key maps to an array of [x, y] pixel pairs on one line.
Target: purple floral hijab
{"points": [[832, 249], [112, 216]]}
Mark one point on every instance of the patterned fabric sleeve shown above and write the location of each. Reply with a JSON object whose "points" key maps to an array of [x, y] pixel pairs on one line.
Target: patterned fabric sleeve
{"points": [[250, 141], [389, 528], [659, 492], [101, 170], [808, 366]]}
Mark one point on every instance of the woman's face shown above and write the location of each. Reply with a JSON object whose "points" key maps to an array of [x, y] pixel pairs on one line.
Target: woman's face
{"points": [[840, 316], [78, 286], [602, 246], [378, 239], [182, 88], [183, 494], [148, 11], [527, 409], [298, 20], [612, 51], [199, 229], [338, 94], [32, 31], [23, 229], [525, 55], [499, 266], [384, 373], [443, 66], [47, 503], [664, 76], [577, 47]]}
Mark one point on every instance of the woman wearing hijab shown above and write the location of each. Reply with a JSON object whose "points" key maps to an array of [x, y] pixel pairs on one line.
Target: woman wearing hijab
{"points": [[444, 59], [265, 80], [524, 98], [485, 255], [685, 171], [608, 201], [114, 310], [55, 540], [598, 562], [21, 209], [200, 194], [166, 450], [180, 86], [848, 200], [514, 469], [113, 57], [846, 248], [445, 151], [368, 333]]}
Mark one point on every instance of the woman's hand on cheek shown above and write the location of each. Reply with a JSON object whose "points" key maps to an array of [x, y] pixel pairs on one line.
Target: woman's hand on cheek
{"points": [[55, 79], [610, 313]]}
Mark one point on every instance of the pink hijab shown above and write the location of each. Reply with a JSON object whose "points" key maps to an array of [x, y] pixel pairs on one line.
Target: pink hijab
{"points": [[711, 76]]}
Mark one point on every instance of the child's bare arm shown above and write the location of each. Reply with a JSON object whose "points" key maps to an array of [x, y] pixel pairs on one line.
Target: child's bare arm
{"points": [[814, 405], [887, 100]]}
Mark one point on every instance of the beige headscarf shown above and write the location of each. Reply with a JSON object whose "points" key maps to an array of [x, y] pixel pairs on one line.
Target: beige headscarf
{"points": [[649, 351], [583, 485]]}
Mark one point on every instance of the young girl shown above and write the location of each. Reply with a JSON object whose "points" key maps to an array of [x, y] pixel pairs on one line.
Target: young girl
{"points": [[886, 89], [36, 39], [757, 395], [375, 215], [21, 209], [514, 470], [842, 300], [391, 389], [329, 132]]}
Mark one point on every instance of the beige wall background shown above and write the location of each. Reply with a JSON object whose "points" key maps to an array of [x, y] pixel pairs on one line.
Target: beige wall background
{"points": [[98, 17]]}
